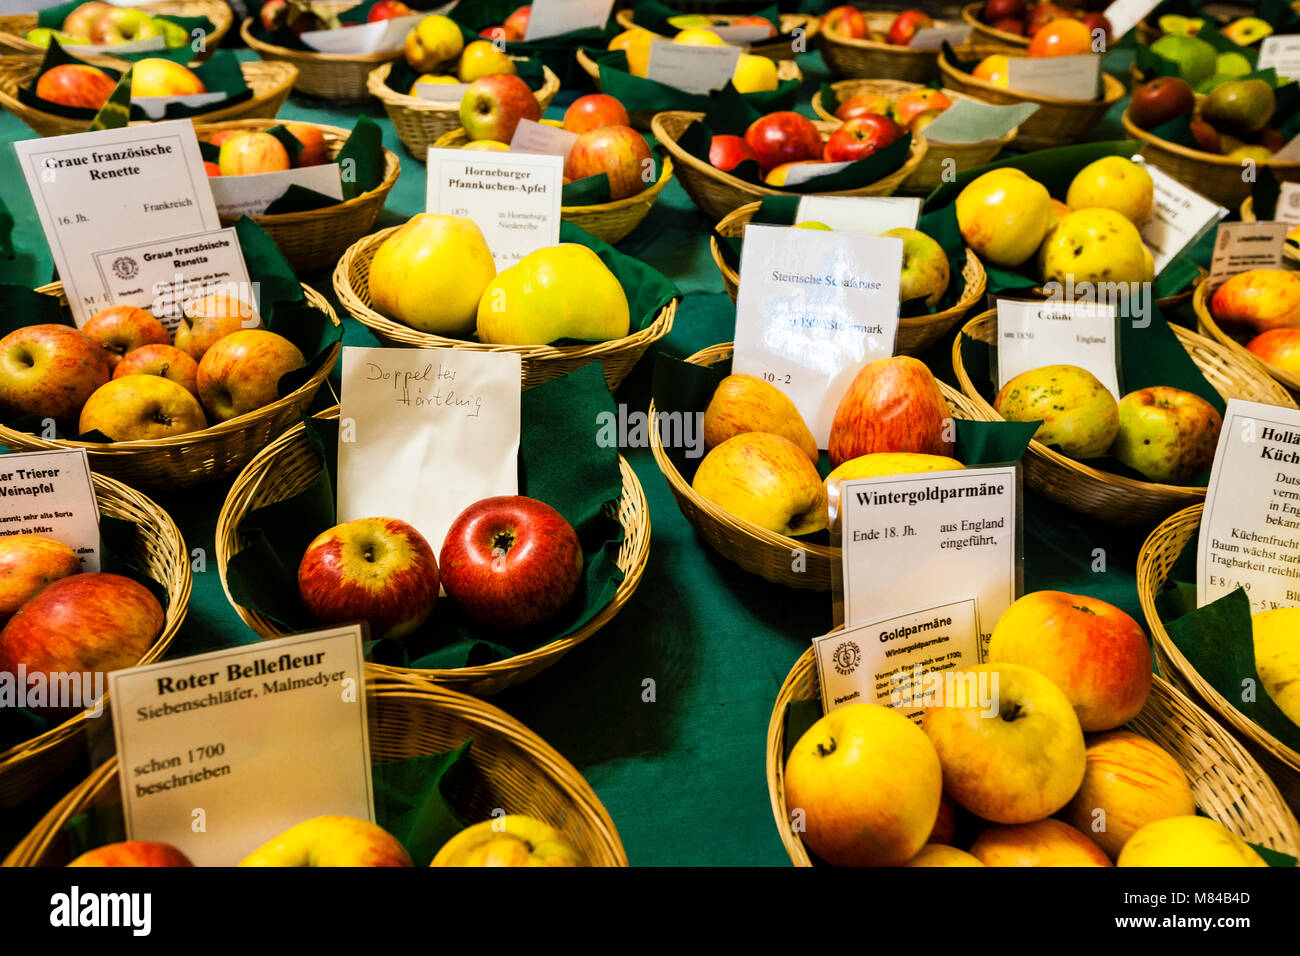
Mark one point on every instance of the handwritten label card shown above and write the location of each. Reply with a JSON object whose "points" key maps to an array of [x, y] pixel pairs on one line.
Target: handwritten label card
{"points": [[933, 38], [257, 738], [550, 18], [514, 197], [1179, 217], [864, 215], [813, 308], [532, 137], [1034, 334], [50, 493], [1124, 15], [1288, 204], [249, 195], [694, 69], [1063, 77], [160, 277], [425, 433], [970, 121], [1250, 528], [910, 539], [885, 661], [1282, 53], [1242, 246], [106, 189]]}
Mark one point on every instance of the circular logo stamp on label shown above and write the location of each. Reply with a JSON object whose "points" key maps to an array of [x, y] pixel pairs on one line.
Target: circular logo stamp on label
{"points": [[847, 656], [124, 267]]}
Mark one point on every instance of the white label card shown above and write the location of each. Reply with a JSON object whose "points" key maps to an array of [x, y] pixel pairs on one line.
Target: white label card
{"points": [[514, 197], [743, 36], [933, 38], [155, 107], [969, 121], [249, 195], [813, 308], [1034, 334], [258, 738], [1282, 53], [1063, 77], [378, 37], [865, 215], [550, 18], [1241, 246], [1250, 528], [416, 419], [148, 45], [102, 190], [908, 539], [160, 277], [885, 661], [1288, 204], [50, 493], [694, 69], [442, 92], [1124, 15], [1179, 217], [533, 137], [1289, 153]]}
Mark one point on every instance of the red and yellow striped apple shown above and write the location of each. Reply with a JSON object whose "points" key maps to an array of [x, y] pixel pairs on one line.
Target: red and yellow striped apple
{"points": [[165, 360], [121, 328], [29, 562], [1040, 843], [49, 370], [746, 403], [133, 853], [893, 405], [241, 372]]}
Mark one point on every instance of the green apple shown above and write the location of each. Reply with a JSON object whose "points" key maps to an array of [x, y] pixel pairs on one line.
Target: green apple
{"points": [[813, 224], [173, 34], [1078, 413], [1195, 57], [41, 36], [925, 267], [1167, 434], [1093, 245], [690, 21], [1232, 64]]}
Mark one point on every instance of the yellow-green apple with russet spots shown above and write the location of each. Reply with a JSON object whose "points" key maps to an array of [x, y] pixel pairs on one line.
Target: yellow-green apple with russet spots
{"points": [[766, 480], [1168, 434], [1078, 413], [1093, 245]]}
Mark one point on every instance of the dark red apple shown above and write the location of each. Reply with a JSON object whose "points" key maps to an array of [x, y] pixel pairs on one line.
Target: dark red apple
{"points": [[1160, 100], [1098, 21], [511, 562], [388, 10], [594, 111], [860, 137], [783, 137], [1013, 25], [905, 26], [726, 152], [996, 10], [1206, 136]]}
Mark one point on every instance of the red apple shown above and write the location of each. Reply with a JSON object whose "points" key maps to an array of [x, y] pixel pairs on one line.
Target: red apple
{"points": [[1013, 25], [996, 10], [75, 84], [378, 570], [726, 152], [121, 328], [1261, 299], [845, 21], [783, 137], [252, 153], [861, 104], [594, 111], [273, 14], [387, 10], [1092, 650], [860, 137], [81, 21], [511, 562], [905, 26], [518, 20], [49, 370], [1279, 348], [212, 169], [314, 151], [755, 22], [133, 853], [912, 104], [618, 151], [493, 106], [1041, 14], [1097, 21], [28, 563], [241, 372], [165, 360], [893, 404], [1160, 100], [500, 33], [206, 319], [1206, 136], [86, 623]]}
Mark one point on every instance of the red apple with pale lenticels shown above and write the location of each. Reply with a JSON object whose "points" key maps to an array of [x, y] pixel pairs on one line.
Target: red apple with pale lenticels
{"points": [[49, 370], [783, 137], [165, 360], [726, 152], [120, 329], [618, 151]]}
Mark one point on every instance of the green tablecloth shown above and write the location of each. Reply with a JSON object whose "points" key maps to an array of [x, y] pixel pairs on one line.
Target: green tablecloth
{"points": [[683, 777]]}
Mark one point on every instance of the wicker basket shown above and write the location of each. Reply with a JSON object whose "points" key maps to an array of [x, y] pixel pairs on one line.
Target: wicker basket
{"points": [[849, 58], [1216, 177], [14, 26], [316, 238], [775, 49], [641, 119], [607, 221], [1208, 326], [1057, 123], [1247, 210], [512, 770], [1228, 784], [985, 35], [183, 461], [419, 122], [288, 465], [340, 77], [717, 193], [270, 83], [1158, 555], [1118, 499], [929, 175], [757, 550], [157, 548], [915, 334], [541, 363]]}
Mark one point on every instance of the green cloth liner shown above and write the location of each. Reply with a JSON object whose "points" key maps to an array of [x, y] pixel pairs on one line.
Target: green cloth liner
{"points": [[1264, 194], [592, 190], [53, 18], [654, 17], [639, 94], [563, 413], [401, 77], [283, 308], [116, 111], [1055, 169], [221, 74], [413, 802], [1147, 356], [968, 66], [556, 52], [686, 388]]}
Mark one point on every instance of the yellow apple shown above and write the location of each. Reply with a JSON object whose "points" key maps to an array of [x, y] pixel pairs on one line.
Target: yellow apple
{"points": [[635, 43], [481, 59], [431, 273], [882, 463], [1011, 747], [695, 36], [433, 40], [510, 840], [813, 224], [142, 408], [937, 854], [867, 782], [561, 292], [489, 145], [429, 79], [1187, 841], [154, 76], [1277, 657], [1093, 245], [1003, 216], [331, 841], [1040, 843], [1114, 182], [754, 74], [766, 480], [746, 403], [1078, 413]]}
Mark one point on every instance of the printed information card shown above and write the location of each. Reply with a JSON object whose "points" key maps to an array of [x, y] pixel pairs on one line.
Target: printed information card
{"points": [[1288, 204], [1124, 15], [50, 493], [813, 308], [549, 18], [694, 69], [513, 197], [1063, 77], [1034, 334], [249, 195], [1250, 528], [886, 661], [220, 752], [1242, 246], [908, 539], [1179, 217], [970, 121], [864, 215], [1282, 52]]}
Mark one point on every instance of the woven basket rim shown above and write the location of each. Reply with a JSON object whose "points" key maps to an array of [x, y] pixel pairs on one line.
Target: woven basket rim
{"points": [[792, 21], [970, 14], [1207, 321], [1114, 89], [377, 84], [859, 44], [261, 47], [219, 13], [1195, 155], [957, 94]]}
